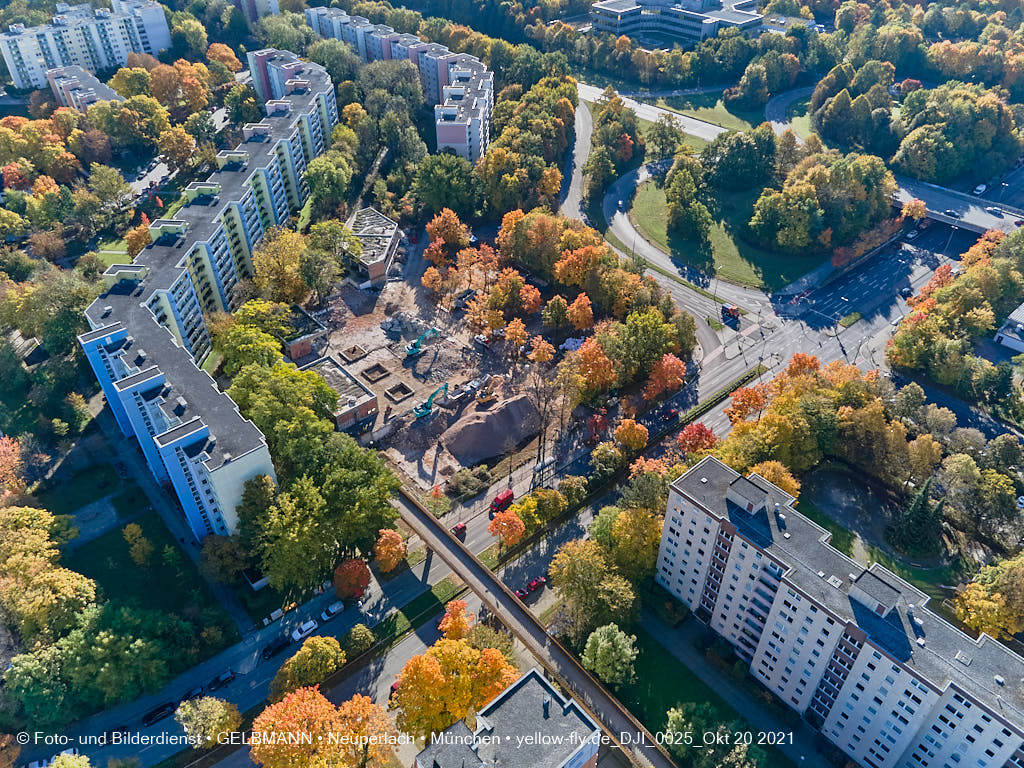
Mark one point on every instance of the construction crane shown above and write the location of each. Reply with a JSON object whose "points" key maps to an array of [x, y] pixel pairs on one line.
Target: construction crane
{"points": [[427, 407], [415, 348]]}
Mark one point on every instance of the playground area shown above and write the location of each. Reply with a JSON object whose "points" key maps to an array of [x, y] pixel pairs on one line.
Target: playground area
{"points": [[445, 401]]}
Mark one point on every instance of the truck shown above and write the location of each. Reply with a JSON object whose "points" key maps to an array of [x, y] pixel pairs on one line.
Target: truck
{"points": [[730, 310], [502, 501]]}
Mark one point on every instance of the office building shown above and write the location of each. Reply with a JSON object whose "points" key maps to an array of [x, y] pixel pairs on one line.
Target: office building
{"points": [[149, 335], [459, 85], [76, 88], [855, 651], [78, 35], [687, 21], [530, 723]]}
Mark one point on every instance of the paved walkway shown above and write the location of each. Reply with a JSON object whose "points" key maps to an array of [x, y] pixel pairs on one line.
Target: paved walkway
{"points": [[680, 643]]}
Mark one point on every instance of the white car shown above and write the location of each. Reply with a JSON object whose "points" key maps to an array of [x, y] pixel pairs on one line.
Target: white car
{"points": [[304, 630], [913, 234], [979, 190], [1020, 502], [332, 610], [994, 211]]}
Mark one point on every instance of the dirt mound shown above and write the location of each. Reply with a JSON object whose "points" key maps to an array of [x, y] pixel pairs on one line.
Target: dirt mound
{"points": [[482, 435]]}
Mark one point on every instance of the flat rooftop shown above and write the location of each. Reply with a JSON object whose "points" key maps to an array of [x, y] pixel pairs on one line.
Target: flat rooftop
{"points": [[376, 233], [351, 392], [947, 656]]}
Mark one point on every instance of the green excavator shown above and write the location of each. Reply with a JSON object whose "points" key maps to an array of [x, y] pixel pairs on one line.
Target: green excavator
{"points": [[415, 348], [426, 408]]}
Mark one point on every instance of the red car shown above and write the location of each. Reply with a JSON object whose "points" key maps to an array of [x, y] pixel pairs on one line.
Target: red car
{"points": [[536, 584], [670, 414], [521, 594], [459, 530]]}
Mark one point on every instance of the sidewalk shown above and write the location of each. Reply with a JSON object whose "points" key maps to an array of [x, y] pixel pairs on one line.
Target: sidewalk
{"points": [[679, 642]]}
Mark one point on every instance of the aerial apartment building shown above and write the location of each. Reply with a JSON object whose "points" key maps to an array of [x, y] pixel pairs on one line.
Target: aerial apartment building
{"points": [[149, 335], [254, 10], [684, 20], [77, 88], [79, 35], [459, 85], [855, 651]]}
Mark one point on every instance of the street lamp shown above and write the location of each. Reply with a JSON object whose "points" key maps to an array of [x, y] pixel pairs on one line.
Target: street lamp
{"points": [[952, 231]]}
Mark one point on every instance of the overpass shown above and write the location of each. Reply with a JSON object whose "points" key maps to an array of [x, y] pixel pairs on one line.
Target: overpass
{"points": [[970, 210], [622, 729]]}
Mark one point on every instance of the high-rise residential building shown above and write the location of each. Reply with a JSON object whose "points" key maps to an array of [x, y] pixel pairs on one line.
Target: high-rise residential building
{"points": [[149, 335], [78, 35], [686, 20], [254, 10], [856, 651], [459, 85], [77, 88]]}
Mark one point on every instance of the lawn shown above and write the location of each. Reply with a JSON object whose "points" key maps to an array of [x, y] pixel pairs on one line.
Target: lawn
{"points": [[711, 108], [169, 588], [411, 614], [726, 254], [663, 682], [799, 117], [85, 487], [694, 143]]}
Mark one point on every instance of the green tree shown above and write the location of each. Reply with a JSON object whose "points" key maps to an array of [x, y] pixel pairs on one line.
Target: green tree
{"points": [[593, 593], [665, 137], [328, 177], [318, 271], [601, 529], [242, 105], [446, 180], [243, 345], [917, 528], [610, 653], [315, 661], [207, 717], [358, 640]]}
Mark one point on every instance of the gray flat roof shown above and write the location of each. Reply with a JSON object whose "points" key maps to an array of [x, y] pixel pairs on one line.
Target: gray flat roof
{"points": [[519, 710], [801, 547], [341, 381]]}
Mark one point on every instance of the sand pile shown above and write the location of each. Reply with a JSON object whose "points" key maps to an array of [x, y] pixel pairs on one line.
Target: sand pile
{"points": [[482, 435]]}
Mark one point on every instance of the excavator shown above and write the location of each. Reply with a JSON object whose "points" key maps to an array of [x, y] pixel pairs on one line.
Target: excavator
{"points": [[415, 348], [426, 408], [488, 392]]}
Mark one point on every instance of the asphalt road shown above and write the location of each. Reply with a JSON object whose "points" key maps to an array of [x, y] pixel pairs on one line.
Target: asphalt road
{"points": [[571, 194], [528, 630], [692, 126]]}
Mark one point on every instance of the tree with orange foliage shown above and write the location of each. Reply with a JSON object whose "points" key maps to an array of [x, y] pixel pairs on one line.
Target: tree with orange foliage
{"points": [[630, 434], [776, 473], [367, 734], [515, 336], [223, 54], [311, 719], [596, 368], [941, 277], [801, 364], [432, 280], [746, 401], [543, 351], [389, 549], [914, 209], [448, 235], [696, 438], [351, 578], [456, 622], [183, 88], [440, 687], [507, 527], [11, 467], [529, 296], [136, 240], [667, 375], [577, 265], [581, 313]]}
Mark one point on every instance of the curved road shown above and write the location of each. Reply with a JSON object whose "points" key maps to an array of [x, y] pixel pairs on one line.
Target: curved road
{"points": [[499, 599], [777, 107]]}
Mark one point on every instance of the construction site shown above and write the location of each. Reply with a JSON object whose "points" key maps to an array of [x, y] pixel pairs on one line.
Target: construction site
{"points": [[443, 400]]}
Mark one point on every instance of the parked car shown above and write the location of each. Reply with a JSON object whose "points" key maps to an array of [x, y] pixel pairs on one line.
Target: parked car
{"points": [[1020, 502], [275, 646], [906, 292], [670, 415], [979, 190], [502, 501], [913, 235], [332, 610], [195, 693], [951, 213], [224, 678], [304, 630], [110, 733], [459, 530], [158, 714], [482, 341], [993, 210], [536, 584], [521, 594]]}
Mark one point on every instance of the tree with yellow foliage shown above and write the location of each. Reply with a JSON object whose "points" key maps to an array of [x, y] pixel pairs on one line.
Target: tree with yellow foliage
{"points": [[456, 622], [994, 601], [276, 261], [389, 549], [775, 472]]}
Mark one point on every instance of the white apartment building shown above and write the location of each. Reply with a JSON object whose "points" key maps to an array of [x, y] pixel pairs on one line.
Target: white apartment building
{"points": [[855, 651], [94, 39], [149, 333], [254, 10], [459, 85]]}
